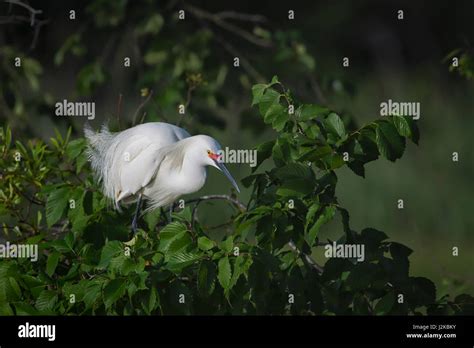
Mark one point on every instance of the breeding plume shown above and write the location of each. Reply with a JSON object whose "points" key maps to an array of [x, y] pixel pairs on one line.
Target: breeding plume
{"points": [[157, 162]]}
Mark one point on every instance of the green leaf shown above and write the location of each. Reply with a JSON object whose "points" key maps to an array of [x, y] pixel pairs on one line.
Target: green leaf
{"points": [[171, 232], [423, 291], [242, 265], [294, 171], [312, 210], [406, 127], [317, 153], [257, 93], [399, 251], [7, 269], [273, 111], [152, 25], [151, 301], [362, 276], [390, 144], [46, 301], [224, 273], [281, 151], [114, 290], [205, 243], [92, 293], [180, 260], [310, 111], [75, 147], [264, 151], [227, 244], [179, 244], [294, 188], [52, 263], [385, 304], [270, 97], [14, 285], [326, 215], [110, 250], [335, 125], [56, 205], [206, 278]]}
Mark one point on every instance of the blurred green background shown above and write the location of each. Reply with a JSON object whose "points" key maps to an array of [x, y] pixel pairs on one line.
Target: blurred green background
{"points": [[191, 61]]}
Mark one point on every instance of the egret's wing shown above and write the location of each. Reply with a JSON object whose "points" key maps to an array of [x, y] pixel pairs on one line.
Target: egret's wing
{"points": [[139, 170], [131, 158]]}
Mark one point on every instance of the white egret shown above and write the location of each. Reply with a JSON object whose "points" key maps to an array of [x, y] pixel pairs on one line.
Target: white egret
{"points": [[157, 162]]}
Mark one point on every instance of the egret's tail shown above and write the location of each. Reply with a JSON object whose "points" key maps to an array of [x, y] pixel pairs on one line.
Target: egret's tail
{"points": [[98, 152]]}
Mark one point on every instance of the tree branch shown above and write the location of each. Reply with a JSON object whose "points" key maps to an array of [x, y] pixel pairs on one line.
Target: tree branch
{"points": [[141, 106], [33, 12], [241, 16], [306, 258], [217, 19], [37, 24]]}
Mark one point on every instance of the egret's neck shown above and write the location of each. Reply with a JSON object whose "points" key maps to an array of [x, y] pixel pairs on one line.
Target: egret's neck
{"points": [[193, 173]]}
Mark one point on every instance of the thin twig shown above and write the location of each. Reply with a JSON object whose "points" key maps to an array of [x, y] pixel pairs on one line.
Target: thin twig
{"points": [[197, 12], [37, 24], [245, 63], [306, 258], [189, 95], [141, 106], [234, 201], [241, 16], [33, 12]]}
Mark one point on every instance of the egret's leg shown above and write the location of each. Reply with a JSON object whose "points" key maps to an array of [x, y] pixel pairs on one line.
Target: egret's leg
{"points": [[135, 217], [171, 211]]}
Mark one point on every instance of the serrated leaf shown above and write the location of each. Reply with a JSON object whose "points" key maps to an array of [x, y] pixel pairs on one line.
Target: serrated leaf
{"points": [[52, 263], [205, 243], [389, 143], [170, 233], [224, 273], [406, 127], [326, 215], [227, 244], [310, 111], [257, 93], [114, 290], [46, 300], [110, 250], [270, 97], [335, 125], [385, 304], [206, 278], [92, 293], [56, 205], [75, 147]]}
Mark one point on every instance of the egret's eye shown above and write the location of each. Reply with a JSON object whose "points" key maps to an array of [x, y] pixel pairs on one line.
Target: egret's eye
{"points": [[208, 152]]}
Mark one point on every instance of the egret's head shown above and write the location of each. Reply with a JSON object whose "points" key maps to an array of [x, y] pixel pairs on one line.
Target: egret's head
{"points": [[211, 152]]}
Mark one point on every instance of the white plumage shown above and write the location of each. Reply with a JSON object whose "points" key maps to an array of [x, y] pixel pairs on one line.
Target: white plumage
{"points": [[155, 160]]}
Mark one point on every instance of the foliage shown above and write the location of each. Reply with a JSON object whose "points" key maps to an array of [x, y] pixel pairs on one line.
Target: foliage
{"points": [[86, 266], [465, 62]]}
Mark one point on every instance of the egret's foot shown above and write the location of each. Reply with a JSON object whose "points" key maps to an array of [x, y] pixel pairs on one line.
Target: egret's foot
{"points": [[170, 217], [135, 216], [134, 226]]}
